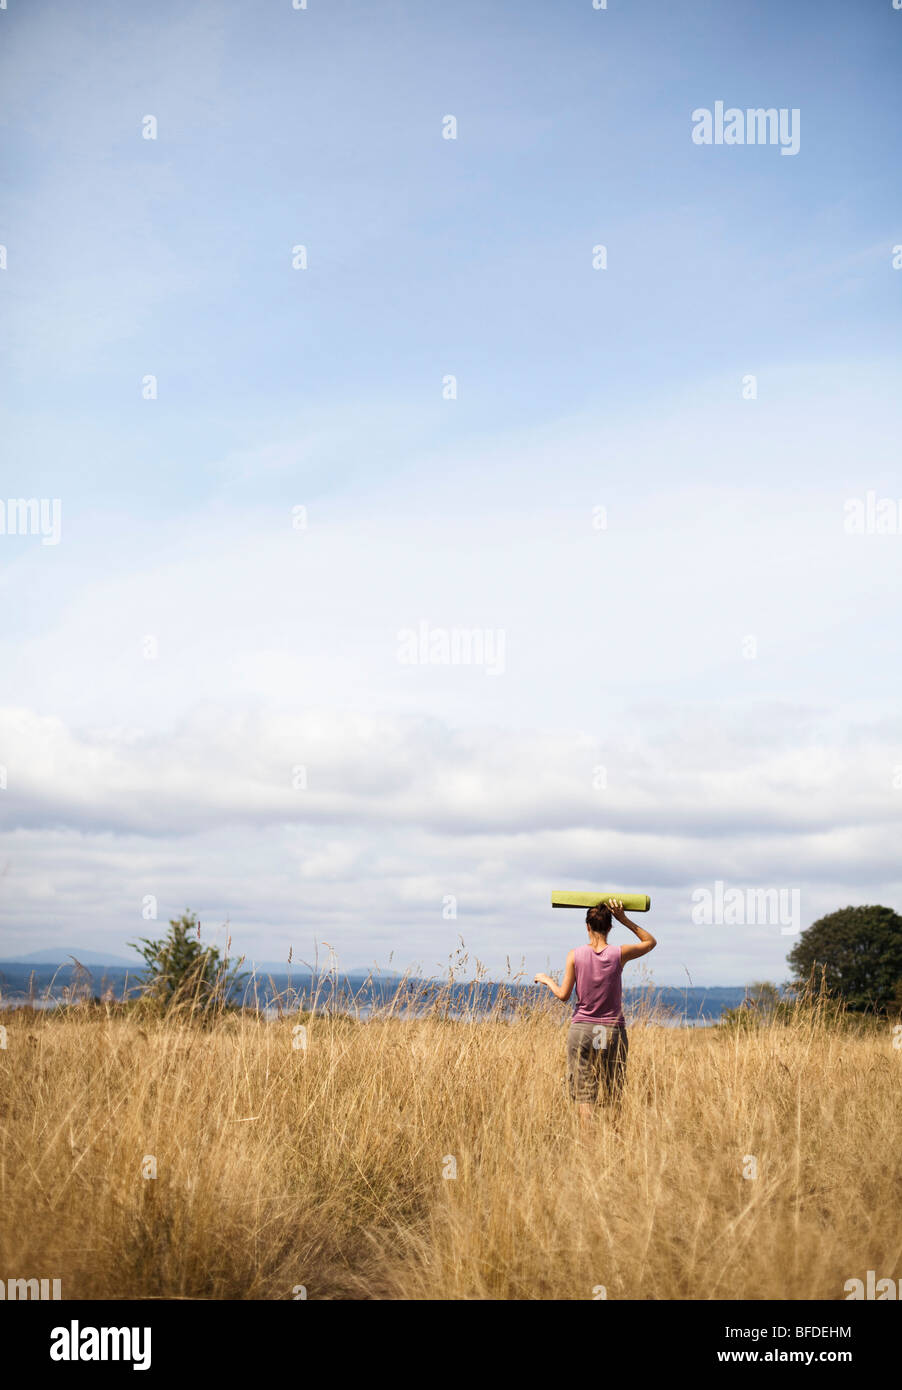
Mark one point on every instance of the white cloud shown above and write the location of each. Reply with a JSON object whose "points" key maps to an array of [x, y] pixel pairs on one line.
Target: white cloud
{"points": [[400, 812]]}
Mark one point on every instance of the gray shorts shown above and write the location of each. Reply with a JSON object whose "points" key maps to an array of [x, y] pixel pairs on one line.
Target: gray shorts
{"points": [[596, 1061]]}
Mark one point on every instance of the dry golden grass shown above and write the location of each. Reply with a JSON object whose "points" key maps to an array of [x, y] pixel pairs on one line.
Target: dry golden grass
{"points": [[279, 1166]]}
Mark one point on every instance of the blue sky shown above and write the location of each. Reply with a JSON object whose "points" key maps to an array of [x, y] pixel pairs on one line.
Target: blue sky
{"points": [[576, 389]]}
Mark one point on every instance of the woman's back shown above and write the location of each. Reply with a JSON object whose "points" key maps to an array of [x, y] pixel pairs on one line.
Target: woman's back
{"points": [[598, 986]]}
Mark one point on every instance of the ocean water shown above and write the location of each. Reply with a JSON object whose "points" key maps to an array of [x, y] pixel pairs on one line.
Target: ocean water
{"points": [[362, 996]]}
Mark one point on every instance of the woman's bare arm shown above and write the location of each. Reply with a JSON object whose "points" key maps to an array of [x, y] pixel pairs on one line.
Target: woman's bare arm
{"points": [[633, 949], [565, 988]]}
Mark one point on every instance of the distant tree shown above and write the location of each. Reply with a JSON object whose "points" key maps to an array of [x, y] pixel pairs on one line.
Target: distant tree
{"points": [[859, 952], [764, 1002], [179, 969], [764, 996]]}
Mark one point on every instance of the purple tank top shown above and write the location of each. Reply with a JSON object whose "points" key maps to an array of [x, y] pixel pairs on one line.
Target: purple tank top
{"points": [[598, 994]]}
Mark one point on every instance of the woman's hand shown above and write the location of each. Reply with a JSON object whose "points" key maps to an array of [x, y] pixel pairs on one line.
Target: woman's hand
{"points": [[616, 907], [543, 980]]}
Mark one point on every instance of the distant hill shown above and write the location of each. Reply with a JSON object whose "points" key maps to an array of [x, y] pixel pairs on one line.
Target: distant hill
{"points": [[281, 967], [61, 955]]}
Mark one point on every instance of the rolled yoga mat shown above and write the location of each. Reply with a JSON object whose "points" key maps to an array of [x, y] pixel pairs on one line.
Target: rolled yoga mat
{"points": [[632, 902]]}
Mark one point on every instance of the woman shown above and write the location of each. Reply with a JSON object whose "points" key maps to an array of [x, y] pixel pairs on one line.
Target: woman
{"points": [[597, 1043]]}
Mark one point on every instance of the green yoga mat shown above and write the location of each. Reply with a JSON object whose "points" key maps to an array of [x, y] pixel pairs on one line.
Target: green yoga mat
{"points": [[632, 902]]}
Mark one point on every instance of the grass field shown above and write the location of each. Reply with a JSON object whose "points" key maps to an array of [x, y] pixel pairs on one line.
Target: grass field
{"points": [[324, 1159]]}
